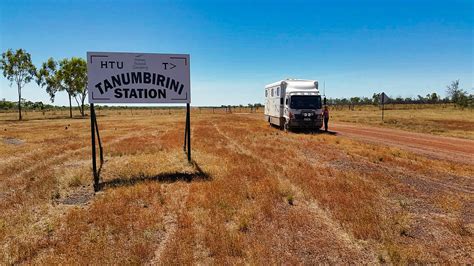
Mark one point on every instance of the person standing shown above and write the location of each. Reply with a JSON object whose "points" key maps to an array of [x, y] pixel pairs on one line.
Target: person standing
{"points": [[326, 117]]}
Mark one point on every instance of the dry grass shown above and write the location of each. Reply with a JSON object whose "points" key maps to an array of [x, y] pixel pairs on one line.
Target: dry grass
{"points": [[266, 196], [444, 120]]}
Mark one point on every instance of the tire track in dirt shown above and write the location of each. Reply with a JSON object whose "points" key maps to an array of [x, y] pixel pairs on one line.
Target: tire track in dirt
{"points": [[20, 157], [322, 217], [65, 154], [398, 172], [178, 193], [455, 149], [15, 180], [179, 197], [452, 186], [39, 126], [427, 181], [170, 219]]}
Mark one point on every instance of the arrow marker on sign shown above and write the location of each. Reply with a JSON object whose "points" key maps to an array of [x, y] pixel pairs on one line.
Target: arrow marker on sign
{"points": [[166, 66]]}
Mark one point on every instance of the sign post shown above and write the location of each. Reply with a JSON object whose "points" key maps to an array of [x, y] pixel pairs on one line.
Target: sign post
{"points": [[94, 162], [383, 99], [188, 125], [137, 78]]}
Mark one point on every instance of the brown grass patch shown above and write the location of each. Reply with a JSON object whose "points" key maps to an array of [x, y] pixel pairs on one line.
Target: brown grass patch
{"points": [[272, 197]]}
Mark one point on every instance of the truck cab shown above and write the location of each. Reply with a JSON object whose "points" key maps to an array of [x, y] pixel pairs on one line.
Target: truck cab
{"points": [[294, 104], [303, 111]]}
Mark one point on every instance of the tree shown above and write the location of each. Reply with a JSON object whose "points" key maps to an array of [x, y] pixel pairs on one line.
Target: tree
{"points": [[367, 100], [68, 75], [48, 76], [453, 90], [457, 95], [355, 100], [421, 99], [434, 98], [74, 76], [376, 98], [6, 105], [17, 67]]}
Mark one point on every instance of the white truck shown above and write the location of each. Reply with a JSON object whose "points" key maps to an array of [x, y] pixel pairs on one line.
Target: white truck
{"points": [[294, 104]]}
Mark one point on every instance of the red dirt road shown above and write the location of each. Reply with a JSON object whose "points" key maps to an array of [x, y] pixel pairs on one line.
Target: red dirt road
{"points": [[455, 149]]}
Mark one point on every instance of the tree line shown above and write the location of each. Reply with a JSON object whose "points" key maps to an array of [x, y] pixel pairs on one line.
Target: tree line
{"points": [[9, 105], [70, 75], [454, 93]]}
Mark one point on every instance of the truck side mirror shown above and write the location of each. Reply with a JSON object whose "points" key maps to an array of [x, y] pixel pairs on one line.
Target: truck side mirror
{"points": [[325, 101]]}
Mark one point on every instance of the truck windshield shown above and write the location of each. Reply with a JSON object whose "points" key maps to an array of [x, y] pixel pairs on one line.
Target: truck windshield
{"points": [[305, 102]]}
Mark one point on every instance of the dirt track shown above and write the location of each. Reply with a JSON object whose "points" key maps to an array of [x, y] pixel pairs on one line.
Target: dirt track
{"points": [[459, 150]]}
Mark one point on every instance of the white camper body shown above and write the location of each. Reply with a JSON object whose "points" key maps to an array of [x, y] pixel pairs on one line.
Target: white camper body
{"points": [[294, 103]]}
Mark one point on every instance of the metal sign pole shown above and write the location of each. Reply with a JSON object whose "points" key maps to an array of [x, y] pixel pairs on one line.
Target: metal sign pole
{"points": [[101, 153], [383, 101], [94, 162], [188, 126], [185, 132]]}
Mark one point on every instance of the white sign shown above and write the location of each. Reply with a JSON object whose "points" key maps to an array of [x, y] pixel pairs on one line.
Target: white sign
{"points": [[138, 78]]}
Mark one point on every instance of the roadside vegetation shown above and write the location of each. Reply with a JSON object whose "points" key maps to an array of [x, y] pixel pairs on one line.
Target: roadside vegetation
{"points": [[439, 119], [444, 119]]}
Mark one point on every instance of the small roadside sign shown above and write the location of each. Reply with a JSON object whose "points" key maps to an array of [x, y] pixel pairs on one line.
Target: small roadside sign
{"points": [[384, 98]]}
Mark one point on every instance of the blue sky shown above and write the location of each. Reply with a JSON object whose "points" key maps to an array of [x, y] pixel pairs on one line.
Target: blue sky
{"points": [[356, 48]]}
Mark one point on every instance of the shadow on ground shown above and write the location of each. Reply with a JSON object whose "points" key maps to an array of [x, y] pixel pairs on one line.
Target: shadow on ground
{"points": [[306, 131], [315, 132], [198, 175]]}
